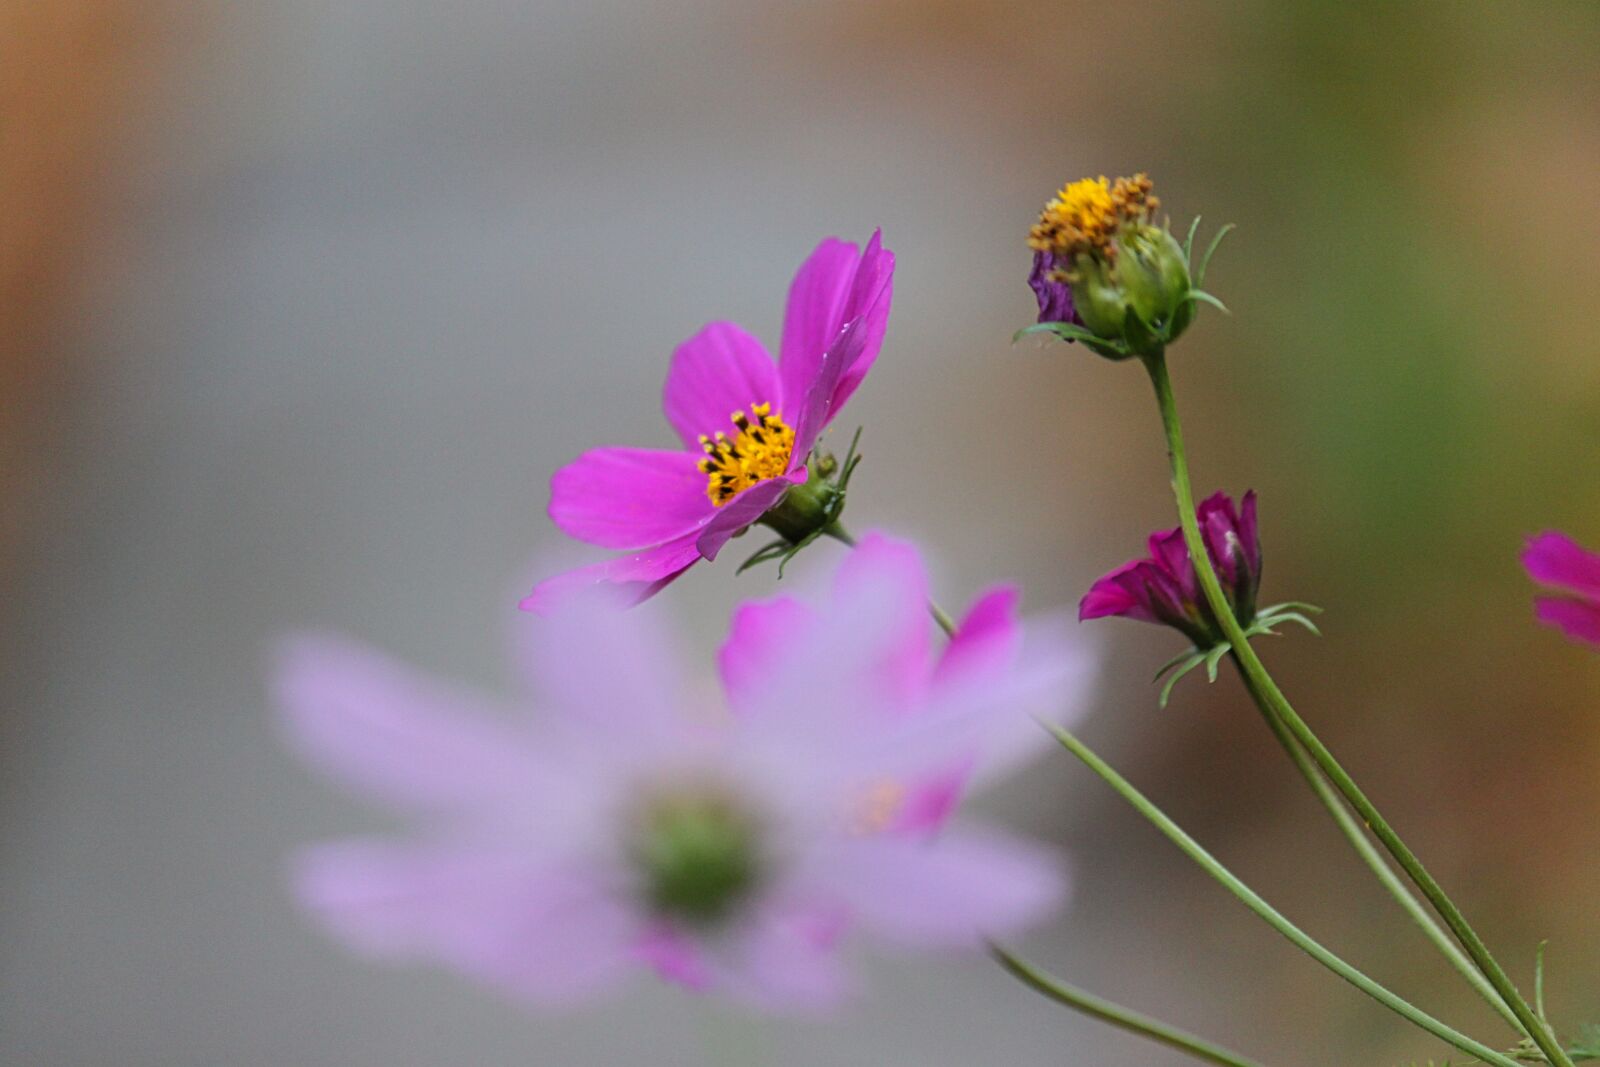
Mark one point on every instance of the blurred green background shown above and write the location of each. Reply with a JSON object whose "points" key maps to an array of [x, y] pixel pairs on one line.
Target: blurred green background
{"points": [[302, 302]]}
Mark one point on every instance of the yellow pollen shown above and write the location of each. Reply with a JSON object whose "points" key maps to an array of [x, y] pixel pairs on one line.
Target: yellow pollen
{"points": [[880, 806], [1084, 215], [758, 450]]}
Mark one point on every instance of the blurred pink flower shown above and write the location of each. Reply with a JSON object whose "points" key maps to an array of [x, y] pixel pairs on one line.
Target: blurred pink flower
{"points": [[1554, 559], [747, 425], [632, 824]]}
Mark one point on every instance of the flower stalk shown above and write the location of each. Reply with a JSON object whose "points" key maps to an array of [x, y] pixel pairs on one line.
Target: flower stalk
{"points": [[1261, 682], [1271, 915], [1396, 886], [1116, 1015]]}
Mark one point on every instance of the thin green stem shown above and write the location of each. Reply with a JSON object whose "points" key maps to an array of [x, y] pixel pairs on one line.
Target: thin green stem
{"points": [[1357, 836], [1273, 917], [1256, 672], [946, 623], [1125, 1018]]}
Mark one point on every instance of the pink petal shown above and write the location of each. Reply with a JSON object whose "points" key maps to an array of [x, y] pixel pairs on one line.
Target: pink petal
{"points": [[556, 936], [787, 961], [629, 498], [395, 734], [739, 514], [1553, 558], [631, 579], [758, 639], [718, 371], [953, 891], [834, 326], [987, 638], [871, 297], [1578, 619], [815, 312], [880, 600], [602, 667]]}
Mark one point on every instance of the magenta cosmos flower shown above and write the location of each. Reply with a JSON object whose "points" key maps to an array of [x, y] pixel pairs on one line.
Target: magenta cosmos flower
{"points": [[622, 822], [1554, 559], [747, 427], [1163, 588]]}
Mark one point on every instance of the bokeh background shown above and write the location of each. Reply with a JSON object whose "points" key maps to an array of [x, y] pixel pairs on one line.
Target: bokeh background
{"points": [[300, 303]]}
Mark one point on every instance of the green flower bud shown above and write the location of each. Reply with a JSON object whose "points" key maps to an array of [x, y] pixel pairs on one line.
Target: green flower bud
{"points": [[1098, 299], [696, 854], [1155, 278]]}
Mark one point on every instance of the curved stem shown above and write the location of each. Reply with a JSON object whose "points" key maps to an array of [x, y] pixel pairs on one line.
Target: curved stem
{"points": [[1357, 836], [1124, 1018], [1273, 917], [1256, 672]]}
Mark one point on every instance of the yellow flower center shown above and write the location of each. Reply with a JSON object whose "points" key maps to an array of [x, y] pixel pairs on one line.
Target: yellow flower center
{"points": [[1084, 215], [760, 450]]}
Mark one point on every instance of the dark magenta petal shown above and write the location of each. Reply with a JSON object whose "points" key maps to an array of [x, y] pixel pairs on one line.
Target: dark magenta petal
{"points": [[1578, 619], [1055, 297], [1553, 558], [1165, 588]]}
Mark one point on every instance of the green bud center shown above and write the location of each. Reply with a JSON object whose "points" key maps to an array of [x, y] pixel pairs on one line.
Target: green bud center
{"points": [[697, 855]]}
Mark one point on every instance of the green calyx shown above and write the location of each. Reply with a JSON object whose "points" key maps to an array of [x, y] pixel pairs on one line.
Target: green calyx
{"points": [[697, 856], [807, 511]]}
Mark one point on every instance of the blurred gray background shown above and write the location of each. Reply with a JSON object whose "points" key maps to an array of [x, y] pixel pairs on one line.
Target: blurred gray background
{"points": [[303, 303]]}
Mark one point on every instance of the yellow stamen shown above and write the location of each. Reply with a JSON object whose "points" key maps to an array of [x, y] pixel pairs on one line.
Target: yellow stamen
{"points": [[1084, 215], [758, 451]]}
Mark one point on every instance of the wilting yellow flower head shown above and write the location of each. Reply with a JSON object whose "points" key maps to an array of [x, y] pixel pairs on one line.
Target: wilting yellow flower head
{"points": [[1085, 215]]}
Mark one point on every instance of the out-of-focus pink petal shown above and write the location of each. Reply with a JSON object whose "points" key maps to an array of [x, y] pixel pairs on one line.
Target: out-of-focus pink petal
{"points": [[1578, 619], [738, 514], [986, 639], [880, 601], [759, 638], [550, 934], [953, 891], [630, 498], [675, 957], [991, 723], [720, 370], [597, 665], [630, 579], [1553, 558], [394, 734], [786, 961]]}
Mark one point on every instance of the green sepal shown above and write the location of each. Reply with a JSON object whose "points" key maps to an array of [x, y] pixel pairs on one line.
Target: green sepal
{"points": [[1200, 296], [1188, 244], [1211, 249]]}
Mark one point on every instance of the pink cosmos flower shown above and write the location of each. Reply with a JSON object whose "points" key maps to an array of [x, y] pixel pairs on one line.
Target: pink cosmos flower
{"points": [[1554, 559], [1164, 588], [747, 427], [629, 823]]}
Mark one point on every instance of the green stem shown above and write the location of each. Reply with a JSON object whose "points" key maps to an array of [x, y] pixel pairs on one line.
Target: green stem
{"points": [[1273, 917], [1357, 836], [1256, 672], [1115, 1014], [946, 623]]}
